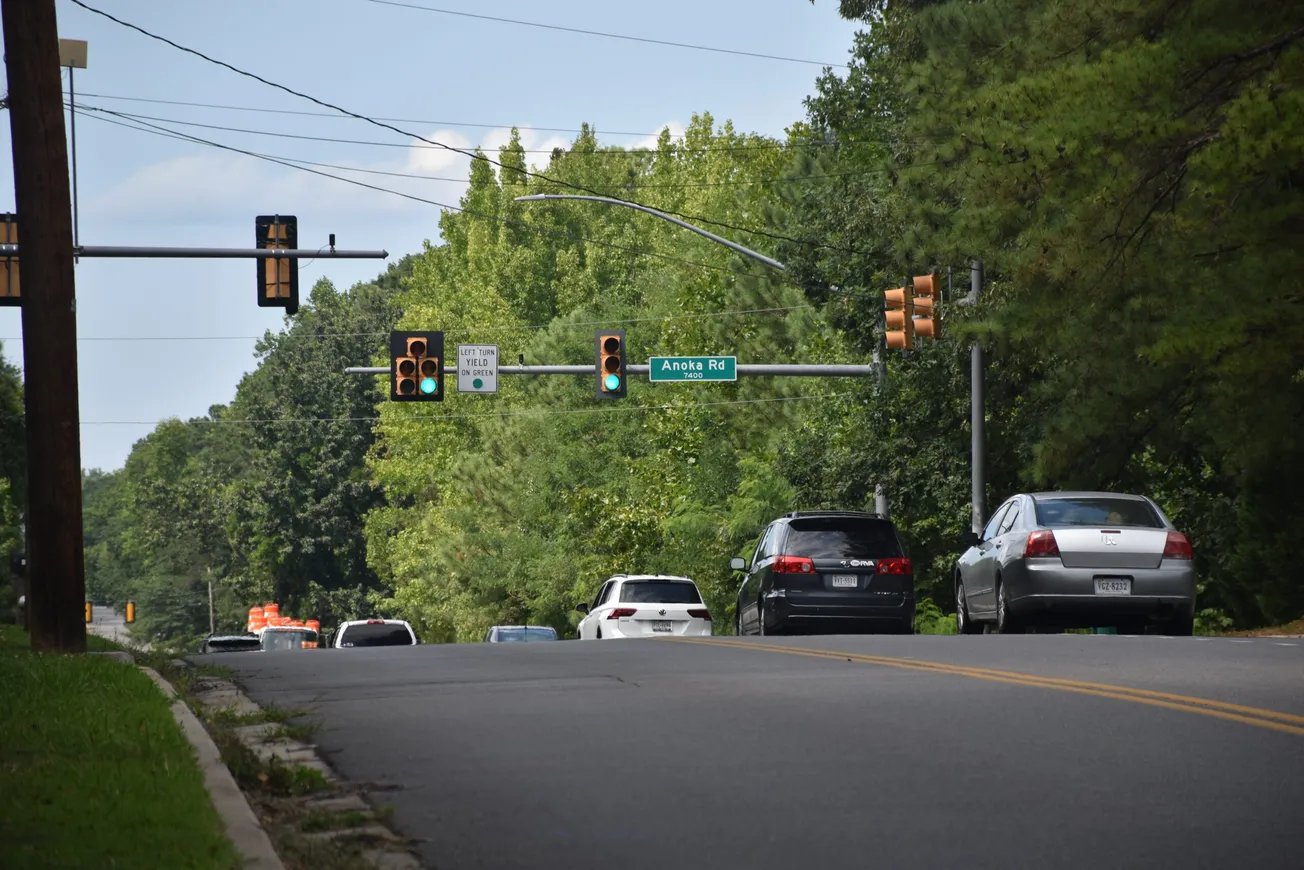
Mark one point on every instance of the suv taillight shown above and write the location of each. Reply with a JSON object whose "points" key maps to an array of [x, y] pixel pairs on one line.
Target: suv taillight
{"points": [[1041, 543], [895, 565], [793, 565], [1177, 546], [622, 611], [700, 613]]}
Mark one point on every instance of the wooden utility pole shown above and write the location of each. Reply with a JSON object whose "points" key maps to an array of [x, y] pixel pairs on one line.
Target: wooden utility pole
{"points": [[56, 570]]}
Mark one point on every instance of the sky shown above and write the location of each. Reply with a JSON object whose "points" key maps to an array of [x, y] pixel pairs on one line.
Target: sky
{"points": [[170, 338]]}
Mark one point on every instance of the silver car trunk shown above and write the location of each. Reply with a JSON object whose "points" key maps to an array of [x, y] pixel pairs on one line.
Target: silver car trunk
{"points": [[1111, 547]]}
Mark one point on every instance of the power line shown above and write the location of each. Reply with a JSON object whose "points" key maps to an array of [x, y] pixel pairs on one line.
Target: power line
{"points": [[691, 217], [421, 177], [475, 155], [420, 199], [778, 146], [337, 116], [606, 35], [535, 412], [455, 330]]}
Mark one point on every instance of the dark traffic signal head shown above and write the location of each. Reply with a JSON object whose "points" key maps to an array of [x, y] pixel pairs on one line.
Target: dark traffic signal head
{"points": [[610, 352], [416, 366], [278, 279]]}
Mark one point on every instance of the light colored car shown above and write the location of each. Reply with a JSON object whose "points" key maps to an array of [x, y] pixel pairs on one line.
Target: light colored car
{"points": [[645, 605], [374, 632], [1076, 560]]}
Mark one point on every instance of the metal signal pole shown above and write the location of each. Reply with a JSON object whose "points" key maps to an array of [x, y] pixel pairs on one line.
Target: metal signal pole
{"points": [[57, 586]]}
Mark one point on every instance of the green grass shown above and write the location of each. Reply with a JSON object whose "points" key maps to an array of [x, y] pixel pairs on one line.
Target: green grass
{"points": [[94, 770]]}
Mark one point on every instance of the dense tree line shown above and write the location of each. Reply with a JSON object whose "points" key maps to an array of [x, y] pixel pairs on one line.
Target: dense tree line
{"points": [[1128, 173]]}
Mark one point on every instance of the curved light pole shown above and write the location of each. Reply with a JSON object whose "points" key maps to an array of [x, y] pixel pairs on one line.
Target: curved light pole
{"points": [[747, 252]]}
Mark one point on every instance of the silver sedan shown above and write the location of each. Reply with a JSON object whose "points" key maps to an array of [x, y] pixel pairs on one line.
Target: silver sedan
{"points": [[1076, 560]]}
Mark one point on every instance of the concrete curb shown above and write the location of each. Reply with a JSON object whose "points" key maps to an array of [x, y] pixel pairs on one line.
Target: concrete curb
{"points": [[242, 826]]}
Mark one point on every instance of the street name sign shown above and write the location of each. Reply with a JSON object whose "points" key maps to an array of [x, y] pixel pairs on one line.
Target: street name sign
{"points": [[677, 369], [477, 368]]}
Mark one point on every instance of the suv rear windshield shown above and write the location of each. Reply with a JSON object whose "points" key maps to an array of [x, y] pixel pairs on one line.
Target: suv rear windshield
{"points": [[841, 538], [376, 635], [1105, 512], [659, 592]]}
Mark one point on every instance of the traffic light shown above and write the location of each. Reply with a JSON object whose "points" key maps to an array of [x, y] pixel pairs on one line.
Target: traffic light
{"points": [[89, 611], [926, 322], [9, 262], [131, 612], [610, 352], [416, 366], [899, 304], [278, 280]]}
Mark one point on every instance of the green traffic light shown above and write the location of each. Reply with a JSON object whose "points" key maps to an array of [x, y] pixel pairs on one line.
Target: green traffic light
{"points": [[612, 382], [428, 385]]}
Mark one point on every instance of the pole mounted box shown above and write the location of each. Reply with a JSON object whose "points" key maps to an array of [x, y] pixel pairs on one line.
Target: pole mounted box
{"points": [[609, 350], [416, 366], [278, 278], [9, 286]]}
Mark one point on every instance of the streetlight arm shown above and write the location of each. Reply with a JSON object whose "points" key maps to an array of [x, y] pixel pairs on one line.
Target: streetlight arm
{"points": [[748, 252]]}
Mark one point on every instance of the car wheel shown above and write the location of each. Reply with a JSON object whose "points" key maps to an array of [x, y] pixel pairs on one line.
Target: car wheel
{"points": [[963, 624], [599, 634], [760, 621], [738, 626], [1005, 623]]}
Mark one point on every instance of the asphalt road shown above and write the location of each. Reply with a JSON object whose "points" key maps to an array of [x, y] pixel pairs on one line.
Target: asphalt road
{"points": [[834, 752]]}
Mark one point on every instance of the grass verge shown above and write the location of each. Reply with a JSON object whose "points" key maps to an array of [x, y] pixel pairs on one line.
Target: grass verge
{"points": [[94, 770]]}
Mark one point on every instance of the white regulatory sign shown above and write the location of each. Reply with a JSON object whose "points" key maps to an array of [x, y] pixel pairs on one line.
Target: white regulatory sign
{"points": [[477, 368]]}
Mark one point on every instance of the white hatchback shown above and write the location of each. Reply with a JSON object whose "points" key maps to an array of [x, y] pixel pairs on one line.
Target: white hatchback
{"points": [[645, 605]]}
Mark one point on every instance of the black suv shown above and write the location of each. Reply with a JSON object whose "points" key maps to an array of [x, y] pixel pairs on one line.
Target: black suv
{"points": [[818, 571]]}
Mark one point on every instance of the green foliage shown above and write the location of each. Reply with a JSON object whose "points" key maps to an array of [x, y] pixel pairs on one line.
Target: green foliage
{"points": [[1116, 166]]}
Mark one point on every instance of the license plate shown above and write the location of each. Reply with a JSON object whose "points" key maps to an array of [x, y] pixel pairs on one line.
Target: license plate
{"points": [[661, 625], [1113, 587], [845, 581]]}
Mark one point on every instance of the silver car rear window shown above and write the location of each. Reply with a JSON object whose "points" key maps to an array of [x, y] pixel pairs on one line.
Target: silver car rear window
{"points": [[1097, 511]]}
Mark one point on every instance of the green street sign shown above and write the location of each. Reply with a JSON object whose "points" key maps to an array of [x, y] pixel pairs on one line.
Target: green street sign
{"points": [[676, 369]]}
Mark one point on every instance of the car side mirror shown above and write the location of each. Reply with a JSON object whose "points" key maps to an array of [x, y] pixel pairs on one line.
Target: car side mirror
{"points": [[971, 539], [737, 564], [582, 607]]}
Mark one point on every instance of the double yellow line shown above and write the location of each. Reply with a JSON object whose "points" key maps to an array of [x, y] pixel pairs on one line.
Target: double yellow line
{"points": [[1285, 722]]}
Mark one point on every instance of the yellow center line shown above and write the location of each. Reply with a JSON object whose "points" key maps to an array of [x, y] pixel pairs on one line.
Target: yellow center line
{"points": [[1218, 709]]}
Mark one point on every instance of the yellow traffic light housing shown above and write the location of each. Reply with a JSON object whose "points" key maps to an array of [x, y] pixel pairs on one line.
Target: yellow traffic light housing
{"points": [[899, 305], [90, 611], [9, 287], [610, 352], [278, 279], [926, 322], [416, 366], [131, 611]]}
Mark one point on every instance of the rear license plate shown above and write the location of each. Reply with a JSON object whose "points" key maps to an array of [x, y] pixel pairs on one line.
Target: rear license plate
{"points": [[1113, 586], [661, 625], [845, 581]]}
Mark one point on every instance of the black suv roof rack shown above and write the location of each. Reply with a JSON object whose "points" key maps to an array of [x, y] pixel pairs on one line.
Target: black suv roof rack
{"points": [[797, 514]]}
